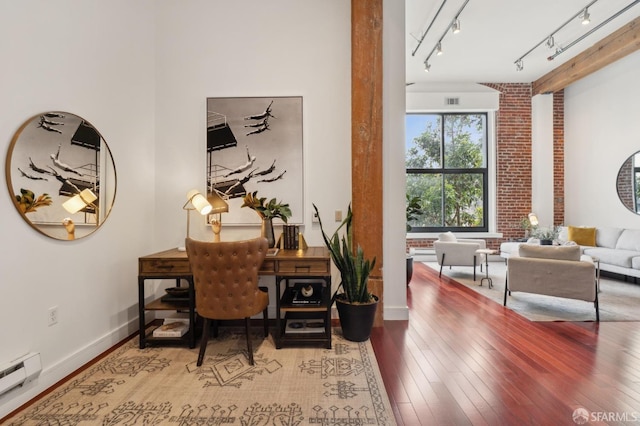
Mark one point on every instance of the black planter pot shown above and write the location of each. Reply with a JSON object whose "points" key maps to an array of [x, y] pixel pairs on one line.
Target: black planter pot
{"points": [[546, 242], [356, 320]]}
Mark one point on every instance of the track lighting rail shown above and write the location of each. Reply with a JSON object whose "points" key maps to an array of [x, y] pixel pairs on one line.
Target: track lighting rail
{"points": [[428, 28], [597, 27], [438, 46]]}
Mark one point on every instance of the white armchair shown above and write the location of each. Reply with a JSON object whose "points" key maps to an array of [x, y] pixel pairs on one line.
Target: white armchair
{"points": [[452, 251], [559, 271]]}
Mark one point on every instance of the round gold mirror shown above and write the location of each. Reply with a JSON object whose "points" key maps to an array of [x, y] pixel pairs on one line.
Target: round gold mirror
{"points": [[61, 175], [628, 183]]}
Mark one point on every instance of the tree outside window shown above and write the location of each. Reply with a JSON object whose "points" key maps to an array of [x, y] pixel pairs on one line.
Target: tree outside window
{"points": [[446, 166]]}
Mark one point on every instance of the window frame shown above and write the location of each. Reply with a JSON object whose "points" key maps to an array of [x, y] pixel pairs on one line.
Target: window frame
{"points": [[487, 173]]}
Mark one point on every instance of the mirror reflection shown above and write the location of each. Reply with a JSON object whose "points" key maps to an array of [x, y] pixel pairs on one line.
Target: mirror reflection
{"points": [[61, 175], [628, 183]]}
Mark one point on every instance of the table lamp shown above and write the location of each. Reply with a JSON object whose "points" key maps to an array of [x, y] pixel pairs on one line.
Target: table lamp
{"points": [[80, 201], [196, 201], [533, 219]]}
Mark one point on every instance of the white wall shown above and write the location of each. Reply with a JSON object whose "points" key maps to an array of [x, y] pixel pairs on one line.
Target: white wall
{"points": [[542, 158], [141, 72], [300, 48], [394, 247], [601, 131], [93, 59]]}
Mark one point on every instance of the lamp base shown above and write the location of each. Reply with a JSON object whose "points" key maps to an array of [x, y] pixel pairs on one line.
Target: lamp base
{"points": [[216, 227]]}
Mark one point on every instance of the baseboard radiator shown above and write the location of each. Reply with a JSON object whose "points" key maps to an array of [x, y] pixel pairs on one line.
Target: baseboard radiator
{"points": [[422, 254], [19, 372]]}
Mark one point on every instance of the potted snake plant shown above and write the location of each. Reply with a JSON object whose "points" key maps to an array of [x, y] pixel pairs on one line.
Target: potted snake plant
{"points": [[356, 305]]}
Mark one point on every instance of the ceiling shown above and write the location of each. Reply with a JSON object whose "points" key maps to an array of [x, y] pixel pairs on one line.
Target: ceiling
{"points": [[495, 33]]}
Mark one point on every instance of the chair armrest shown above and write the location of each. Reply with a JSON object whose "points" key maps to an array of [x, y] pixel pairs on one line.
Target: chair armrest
{"points": [[482, 243]]}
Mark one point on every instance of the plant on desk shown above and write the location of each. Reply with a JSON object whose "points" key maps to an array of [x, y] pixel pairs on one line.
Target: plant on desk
{"points": [[356, 306], [267, 212]]}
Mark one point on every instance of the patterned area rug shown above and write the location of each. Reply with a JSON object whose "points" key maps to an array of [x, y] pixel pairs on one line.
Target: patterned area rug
{"points": [[619, 300], [158, 386]]}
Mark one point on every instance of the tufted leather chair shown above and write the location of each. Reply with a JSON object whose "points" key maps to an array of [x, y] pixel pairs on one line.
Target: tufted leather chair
{"points": [[225, 276]]}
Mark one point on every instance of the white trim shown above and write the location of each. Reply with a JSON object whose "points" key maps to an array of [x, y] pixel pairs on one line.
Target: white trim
{"points": [[58, 371], [423, 235], [396, 313]]}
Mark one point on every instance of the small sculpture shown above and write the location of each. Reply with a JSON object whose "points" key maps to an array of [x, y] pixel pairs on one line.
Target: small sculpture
{"points": [[70, 227], [307, 291]]}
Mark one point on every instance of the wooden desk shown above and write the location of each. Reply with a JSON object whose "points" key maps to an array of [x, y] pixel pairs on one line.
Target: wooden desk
{"points": [[286, 265]]}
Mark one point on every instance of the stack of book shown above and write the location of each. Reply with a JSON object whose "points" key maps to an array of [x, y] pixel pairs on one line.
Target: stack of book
{"points": [[172, 327], [290, 237]]}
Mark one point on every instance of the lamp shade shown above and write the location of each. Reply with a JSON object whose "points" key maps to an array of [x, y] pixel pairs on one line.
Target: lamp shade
{"points": [[79, 201], [217, 203], [199, 202], [533, 219]]}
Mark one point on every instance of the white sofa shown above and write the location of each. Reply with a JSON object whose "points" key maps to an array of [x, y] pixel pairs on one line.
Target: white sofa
{"points": [[616, 249]]}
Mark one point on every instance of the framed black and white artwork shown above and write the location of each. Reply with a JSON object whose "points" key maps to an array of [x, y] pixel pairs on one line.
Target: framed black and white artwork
{"points": [[255, 144]]}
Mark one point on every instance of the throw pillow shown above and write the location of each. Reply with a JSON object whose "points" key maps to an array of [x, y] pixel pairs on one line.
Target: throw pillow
{"points": [[447, 236], [582, 236], [550, 252]]}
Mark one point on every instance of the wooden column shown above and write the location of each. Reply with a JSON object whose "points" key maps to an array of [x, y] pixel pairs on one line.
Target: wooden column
{"points": [[366, 136]]}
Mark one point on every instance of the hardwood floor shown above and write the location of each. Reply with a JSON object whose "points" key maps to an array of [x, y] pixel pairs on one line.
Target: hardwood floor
{"points": [[462, 359]]}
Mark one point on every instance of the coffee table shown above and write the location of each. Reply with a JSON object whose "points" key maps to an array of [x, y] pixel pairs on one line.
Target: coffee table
{"points": [[486, 253]]}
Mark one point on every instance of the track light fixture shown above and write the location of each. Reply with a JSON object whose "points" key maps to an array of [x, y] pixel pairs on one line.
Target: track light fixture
{"points": [[428, 28], [586, 18], [549, 40], [592, 30], [455, 27]]}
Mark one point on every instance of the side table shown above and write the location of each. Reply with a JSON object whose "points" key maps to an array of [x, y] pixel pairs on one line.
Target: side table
{"points": [[486, 253]]}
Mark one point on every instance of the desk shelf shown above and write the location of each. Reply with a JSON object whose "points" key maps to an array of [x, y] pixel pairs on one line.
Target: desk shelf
{"points": [[286, 311], [160, 305], [151, 340]]}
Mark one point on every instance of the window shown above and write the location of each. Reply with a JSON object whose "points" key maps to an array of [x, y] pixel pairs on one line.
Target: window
{"points": [[447, 169]]}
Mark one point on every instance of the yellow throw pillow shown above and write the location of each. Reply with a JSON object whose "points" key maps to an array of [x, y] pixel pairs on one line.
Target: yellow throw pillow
{"points": [[582, 236]]}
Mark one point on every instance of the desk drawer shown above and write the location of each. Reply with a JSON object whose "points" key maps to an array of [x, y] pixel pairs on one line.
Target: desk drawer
{"points": [[310, 267], [268, 267], [164, 266]]}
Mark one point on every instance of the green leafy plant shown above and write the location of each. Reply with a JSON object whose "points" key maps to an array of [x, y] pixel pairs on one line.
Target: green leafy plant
{"points": [[414, 210], [28, 203], [269, 210], [545, 233], [354, 268]]}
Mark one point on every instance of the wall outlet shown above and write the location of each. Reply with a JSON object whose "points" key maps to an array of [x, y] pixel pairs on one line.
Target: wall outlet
{"points": [[338, 215], [53, 316], [314, 218]]}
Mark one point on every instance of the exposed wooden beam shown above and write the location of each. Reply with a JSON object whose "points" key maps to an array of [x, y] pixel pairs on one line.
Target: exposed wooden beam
{"points": [[617, 45], [366, 137]]}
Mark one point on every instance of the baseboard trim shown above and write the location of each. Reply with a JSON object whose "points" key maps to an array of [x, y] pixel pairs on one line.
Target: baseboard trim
{"points": [[59, 372]]}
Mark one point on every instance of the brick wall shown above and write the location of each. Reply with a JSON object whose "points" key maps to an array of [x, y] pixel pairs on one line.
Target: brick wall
{"points": [[513, 157], [558, 158], [625, 184]]}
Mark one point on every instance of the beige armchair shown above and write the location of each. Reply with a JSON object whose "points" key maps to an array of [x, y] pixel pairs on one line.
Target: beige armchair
{"points": [[559, 271], [452, 251], [225, 276]]}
